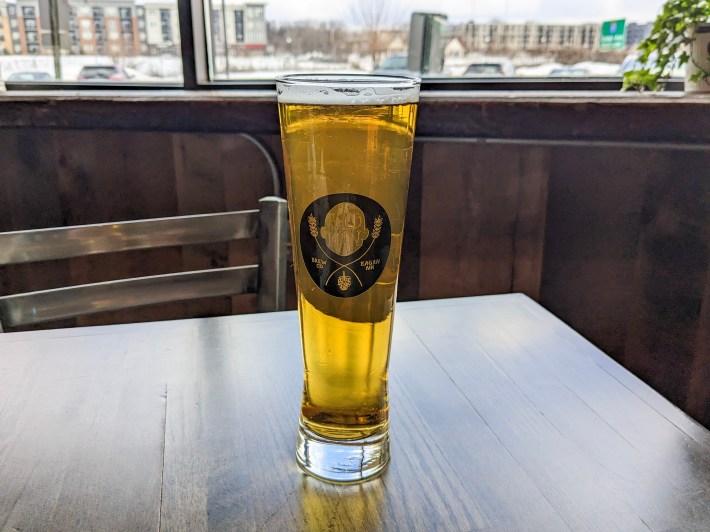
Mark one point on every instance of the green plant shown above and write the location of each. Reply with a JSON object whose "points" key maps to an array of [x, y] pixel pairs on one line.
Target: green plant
{"points": [[666, 48]]}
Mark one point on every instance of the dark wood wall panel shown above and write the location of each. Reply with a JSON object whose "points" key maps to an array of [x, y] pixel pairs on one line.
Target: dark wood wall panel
{"points": [[110, 176], [68, 177], [698, 403], [409, 267], [218, 172], [671, 275], [29, 202], [30, 198], [614, 240], [482, 219], [593, 214], [626, 261], [530, 221]]}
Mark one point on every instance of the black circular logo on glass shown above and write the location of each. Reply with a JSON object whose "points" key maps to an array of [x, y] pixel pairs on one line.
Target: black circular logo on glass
{"points": [[345, 242]]}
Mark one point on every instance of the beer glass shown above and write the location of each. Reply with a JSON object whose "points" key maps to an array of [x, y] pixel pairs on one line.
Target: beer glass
{"points": [[347, 144]]}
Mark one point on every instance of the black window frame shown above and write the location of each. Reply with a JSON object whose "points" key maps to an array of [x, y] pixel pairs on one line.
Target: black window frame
{"points": [[194, 47]]}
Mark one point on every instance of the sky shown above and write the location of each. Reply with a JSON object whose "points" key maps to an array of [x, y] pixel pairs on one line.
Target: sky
{"points": [[482, 10]]}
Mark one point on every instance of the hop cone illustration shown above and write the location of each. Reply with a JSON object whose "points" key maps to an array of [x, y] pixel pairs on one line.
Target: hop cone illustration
{"points": [[344, 281]]}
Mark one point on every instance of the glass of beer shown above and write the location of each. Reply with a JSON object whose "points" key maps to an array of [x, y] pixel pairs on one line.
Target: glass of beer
{"points": [[347, 143]]}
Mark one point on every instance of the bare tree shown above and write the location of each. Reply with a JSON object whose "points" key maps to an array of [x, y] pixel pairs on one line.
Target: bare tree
{"points": [[373, 16]]}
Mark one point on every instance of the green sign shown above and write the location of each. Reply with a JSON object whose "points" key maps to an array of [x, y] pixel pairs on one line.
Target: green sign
{"points": [[613, 35]]}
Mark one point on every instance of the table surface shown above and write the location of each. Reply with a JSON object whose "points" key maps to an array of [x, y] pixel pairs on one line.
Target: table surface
{"points": [[502, 418]]}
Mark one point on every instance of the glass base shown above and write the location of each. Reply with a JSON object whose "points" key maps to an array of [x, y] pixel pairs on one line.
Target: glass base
{"points": [[342, 462]]}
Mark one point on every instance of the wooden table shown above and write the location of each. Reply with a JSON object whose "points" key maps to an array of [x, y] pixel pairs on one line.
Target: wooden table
{"points": [[502, 418]]}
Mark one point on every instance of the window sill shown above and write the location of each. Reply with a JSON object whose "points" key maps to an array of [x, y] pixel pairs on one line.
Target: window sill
{"points": [[671, 117]]}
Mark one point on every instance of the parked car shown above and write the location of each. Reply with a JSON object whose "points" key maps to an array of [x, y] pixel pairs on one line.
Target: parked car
{"points": [[30, 75], [104, 73], [490, 69], [395, 65]]}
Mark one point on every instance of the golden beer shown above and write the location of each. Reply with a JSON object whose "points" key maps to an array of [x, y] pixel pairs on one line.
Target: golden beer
{"points": [[347, 173]]}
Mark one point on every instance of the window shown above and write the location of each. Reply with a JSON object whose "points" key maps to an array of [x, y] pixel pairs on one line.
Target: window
{"points": [[260, 39], [94, 33], [239, 25], [245, 40], [165, 27]]}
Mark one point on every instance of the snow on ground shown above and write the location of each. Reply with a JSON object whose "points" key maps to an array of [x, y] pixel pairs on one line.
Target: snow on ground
{"points": [[596, 68], [169, 68], [539, 71]]}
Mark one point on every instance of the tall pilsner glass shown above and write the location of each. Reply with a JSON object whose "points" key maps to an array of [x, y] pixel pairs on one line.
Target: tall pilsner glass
{"points": [[347, 143]]}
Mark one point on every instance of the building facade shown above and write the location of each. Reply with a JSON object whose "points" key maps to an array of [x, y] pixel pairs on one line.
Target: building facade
{"points": [[104, 27], [162, 27], [30, 26], [530, 36], [7, 44], [20, 27], [122, 27], [244, 24]]}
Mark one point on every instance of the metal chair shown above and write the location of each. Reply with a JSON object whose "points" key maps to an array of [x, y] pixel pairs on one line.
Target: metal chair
{"points": [[267, 279]]}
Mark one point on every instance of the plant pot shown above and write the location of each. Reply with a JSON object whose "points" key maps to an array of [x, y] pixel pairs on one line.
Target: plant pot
{"points": [[699, 54]]}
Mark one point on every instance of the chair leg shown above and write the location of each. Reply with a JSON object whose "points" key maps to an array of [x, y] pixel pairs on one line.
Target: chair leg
{"points": [[273, 238]]}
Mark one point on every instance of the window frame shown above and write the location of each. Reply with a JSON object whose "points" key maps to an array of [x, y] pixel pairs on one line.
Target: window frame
{"points": [[195, 49]]}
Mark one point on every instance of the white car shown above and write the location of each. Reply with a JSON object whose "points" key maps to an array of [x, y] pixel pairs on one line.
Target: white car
{"points": [[490, 69]]}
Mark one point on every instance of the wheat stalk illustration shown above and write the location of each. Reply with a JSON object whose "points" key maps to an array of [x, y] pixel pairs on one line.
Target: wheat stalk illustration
{"points": [[377, 228], [313, 225]]}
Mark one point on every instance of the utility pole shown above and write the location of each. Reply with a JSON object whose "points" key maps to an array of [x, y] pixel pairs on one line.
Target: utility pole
{"points": [[56, 42]]}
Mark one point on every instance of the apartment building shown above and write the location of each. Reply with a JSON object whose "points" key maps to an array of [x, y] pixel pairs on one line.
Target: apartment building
{"points": [[104, 27], [244, 23], [30, 26], [162, 27], [123, 27], [7, 46], [531, 35], [20, 27]]}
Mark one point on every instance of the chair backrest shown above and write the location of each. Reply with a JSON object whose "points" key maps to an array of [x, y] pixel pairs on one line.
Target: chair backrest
{"points": [[267, 279]]}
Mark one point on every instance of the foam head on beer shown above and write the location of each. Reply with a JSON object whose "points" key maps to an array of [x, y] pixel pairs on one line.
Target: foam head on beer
{"points": [[346, 90]]}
